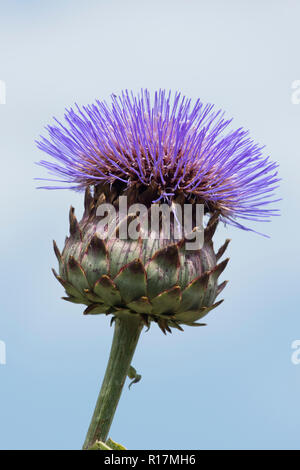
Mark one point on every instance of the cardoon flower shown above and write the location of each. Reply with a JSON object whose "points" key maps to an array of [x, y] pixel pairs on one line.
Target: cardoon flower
{"points": [[153, 152]]}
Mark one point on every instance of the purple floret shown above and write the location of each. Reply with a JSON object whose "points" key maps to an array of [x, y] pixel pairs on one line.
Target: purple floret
{"points": [[166, 142]]}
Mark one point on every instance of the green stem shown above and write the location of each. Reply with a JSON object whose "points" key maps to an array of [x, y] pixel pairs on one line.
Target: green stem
{"points": [[126, 335]]}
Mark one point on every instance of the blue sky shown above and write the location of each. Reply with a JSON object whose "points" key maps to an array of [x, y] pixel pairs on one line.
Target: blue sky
{"points": [[231, 385]]}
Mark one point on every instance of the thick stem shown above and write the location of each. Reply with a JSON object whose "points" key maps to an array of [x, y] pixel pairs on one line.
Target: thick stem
{"points": [[126, 335]]}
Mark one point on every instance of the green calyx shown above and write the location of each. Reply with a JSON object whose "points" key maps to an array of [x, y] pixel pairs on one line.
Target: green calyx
{"points": [[163, 283]]}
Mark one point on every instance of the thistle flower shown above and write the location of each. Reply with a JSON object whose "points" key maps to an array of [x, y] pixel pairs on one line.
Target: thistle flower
{"points": [[151, 152], [179, 149]]}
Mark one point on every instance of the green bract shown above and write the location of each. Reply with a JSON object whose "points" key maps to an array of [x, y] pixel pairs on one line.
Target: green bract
{"points": [[157, 279]]}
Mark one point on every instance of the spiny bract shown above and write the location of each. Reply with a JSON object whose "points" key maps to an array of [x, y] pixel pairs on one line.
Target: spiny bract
{"points": [[157, 279]]}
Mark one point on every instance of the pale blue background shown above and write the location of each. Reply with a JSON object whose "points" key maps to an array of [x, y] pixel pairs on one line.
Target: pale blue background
{"points": [[230, 385]]}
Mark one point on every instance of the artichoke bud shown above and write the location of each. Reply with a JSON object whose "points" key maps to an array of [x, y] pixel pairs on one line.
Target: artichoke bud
{"points": [[156, 278]]}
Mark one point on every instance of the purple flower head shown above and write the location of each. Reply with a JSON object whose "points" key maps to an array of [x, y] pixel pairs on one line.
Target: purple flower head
{"points": [[166, 142]]}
